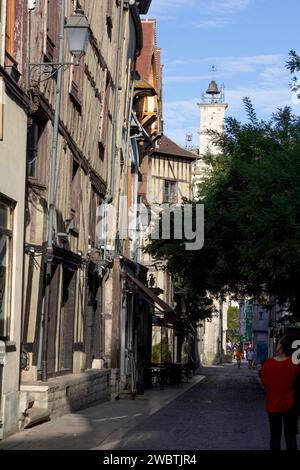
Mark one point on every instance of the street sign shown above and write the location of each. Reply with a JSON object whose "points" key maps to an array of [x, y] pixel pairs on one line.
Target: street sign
{"points": [[2, 353]]}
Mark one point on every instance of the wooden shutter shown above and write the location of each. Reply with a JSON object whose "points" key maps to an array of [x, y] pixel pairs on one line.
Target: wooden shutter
{"points": [[93, 214], [105, 114], [53, 22], [98, 333], [9, 31], [75, 192], [52, 319], [67, 321], [109, 20], [77, 82], [88, 322], [109, 10]]}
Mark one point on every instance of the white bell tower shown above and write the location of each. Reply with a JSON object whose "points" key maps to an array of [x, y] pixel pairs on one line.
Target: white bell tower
{"points": [[212, 117]]}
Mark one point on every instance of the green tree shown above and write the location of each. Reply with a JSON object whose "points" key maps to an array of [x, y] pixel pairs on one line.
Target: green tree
{"points": [[233, 324], [252, 215], [293, 65]]}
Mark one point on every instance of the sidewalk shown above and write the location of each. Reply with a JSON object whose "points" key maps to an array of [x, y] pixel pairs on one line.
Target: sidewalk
{"points": [[98, 427]]}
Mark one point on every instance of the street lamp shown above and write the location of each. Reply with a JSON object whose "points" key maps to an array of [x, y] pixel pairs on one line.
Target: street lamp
{"points": [[77, 32], [77, 28]]}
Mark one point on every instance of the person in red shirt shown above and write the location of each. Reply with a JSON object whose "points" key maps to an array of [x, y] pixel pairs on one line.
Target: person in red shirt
{"points": [[278, 378]]}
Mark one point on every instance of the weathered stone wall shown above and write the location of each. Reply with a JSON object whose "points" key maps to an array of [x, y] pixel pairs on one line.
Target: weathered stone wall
{"points": [[61, 395]]}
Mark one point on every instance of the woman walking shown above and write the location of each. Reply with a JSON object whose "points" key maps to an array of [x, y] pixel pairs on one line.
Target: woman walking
{"points": [[238, 357], [278, 378]]}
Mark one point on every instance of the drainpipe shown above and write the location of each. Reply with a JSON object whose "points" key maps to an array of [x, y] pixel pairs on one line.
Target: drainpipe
{"points": [[52, 191], [109, 197], [31, 7]]}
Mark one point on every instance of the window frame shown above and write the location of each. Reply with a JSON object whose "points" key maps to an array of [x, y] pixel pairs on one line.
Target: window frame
{"points": [[8, 232], [167, 196], [37, 150]]}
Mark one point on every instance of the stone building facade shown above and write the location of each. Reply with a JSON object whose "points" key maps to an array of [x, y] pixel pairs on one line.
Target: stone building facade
{"points": [[72, 338]]}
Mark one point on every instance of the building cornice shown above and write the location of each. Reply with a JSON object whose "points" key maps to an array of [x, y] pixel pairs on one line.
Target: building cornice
{"points": [[138, 28]]}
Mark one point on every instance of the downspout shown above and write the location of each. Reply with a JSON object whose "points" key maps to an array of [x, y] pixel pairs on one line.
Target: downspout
{"points": [[52, 191], [31, 7]]}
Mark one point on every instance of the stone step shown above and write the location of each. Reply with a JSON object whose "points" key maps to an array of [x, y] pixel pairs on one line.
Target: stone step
{"points": [[36, 416]]}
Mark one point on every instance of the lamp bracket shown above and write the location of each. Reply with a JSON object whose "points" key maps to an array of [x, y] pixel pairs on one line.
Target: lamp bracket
{"points": [[44, 71]]}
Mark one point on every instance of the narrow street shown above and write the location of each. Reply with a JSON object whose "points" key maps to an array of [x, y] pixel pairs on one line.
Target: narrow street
{"points": [[224, 410]]}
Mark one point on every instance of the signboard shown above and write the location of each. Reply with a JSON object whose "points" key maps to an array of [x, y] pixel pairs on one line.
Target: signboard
{"points": [[2, 353]]}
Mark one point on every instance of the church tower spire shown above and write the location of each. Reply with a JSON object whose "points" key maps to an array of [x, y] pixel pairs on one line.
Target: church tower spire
{"points": [[212, 118]]}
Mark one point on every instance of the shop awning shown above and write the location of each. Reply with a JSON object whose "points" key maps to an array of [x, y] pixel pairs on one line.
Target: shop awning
{"points": [[160, 304]]}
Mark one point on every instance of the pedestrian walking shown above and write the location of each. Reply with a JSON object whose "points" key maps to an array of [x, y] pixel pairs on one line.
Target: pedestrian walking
{"points": [[238, 357], [250, 358], [278, 378]]}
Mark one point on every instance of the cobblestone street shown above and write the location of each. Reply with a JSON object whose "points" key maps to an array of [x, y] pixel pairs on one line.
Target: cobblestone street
{"points": [[221, 410]]}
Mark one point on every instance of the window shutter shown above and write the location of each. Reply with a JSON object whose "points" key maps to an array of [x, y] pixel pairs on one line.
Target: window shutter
{"points": [[109, 13], [93, 214], [105, 115], [52, 319], [109, 8], [67, 320], [77, 82], [53, 21], [9, 30], [75, 192]]}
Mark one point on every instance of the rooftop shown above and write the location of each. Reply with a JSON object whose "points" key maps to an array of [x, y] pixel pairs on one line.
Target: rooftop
{"points": [[166, 146]]}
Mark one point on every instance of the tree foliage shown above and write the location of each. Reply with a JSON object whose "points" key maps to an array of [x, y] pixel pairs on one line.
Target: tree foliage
{"points": [[293, 64], [252, 215], [233, 324]]}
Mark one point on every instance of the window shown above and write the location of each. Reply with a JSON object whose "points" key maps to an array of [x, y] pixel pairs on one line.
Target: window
{"points": [[170, 192], [53, 23], [76, 88], [34, 146], [6, 211]]}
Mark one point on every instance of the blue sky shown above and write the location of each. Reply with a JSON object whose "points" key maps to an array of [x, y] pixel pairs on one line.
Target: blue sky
{"points": [[246, 40]]}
